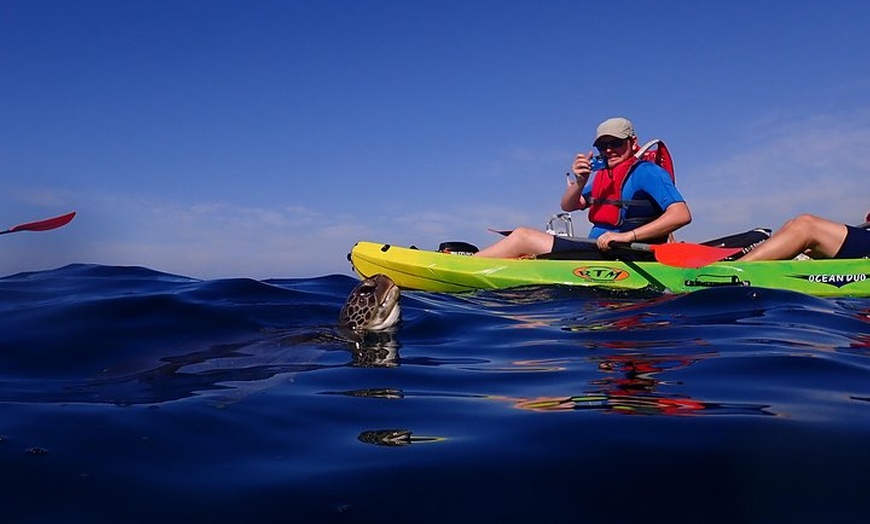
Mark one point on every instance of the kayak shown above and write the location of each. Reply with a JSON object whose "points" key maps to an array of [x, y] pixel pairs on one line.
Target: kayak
{"points": [[416, 269]]}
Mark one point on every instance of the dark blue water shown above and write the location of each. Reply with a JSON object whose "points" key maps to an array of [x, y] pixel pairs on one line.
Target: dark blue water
{"points": [[128, 395]]}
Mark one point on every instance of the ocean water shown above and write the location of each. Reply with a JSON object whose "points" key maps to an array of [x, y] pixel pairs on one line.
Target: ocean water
{"points": [[129, 395]]}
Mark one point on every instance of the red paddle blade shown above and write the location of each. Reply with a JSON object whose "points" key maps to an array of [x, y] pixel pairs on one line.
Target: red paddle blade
{"points": [[682, 254], [44, 225]]}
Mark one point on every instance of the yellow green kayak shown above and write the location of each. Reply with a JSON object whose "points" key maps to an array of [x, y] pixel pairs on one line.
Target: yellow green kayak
{"points": [[444, 272]]}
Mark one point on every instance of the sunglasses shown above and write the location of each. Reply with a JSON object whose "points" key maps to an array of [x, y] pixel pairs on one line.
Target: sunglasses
{"points": [[616, 143]]}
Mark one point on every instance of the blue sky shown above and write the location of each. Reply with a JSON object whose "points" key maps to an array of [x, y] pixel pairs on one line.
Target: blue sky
{"points": [[263, 138]]}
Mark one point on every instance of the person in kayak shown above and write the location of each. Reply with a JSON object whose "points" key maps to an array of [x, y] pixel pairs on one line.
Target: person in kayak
{"points": [[629, 200], [816, 237]]}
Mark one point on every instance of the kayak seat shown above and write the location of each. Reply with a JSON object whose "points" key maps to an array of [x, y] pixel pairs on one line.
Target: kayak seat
{"points": [[457, 248], [747, 240]]}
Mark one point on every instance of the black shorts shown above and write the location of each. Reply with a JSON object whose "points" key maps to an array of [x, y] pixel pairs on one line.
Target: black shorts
{"points": [[856, 244]]}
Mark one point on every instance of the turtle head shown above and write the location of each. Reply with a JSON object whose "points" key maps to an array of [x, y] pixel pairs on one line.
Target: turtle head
{"points": [[373, 305]]}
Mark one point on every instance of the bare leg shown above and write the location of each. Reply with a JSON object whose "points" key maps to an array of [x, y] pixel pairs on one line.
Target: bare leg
{"points": [[821, 237], [521, 241]]}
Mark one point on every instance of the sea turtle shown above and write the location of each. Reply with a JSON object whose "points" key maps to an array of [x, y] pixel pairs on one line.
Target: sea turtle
{"points": [[372, 306], [235, 369]]}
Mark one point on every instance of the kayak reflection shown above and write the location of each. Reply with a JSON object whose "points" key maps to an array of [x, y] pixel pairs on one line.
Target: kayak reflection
{"points": [[629, 388]]}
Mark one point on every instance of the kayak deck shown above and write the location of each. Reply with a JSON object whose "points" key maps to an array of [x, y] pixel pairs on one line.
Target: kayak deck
{"points": [[422, 270]]}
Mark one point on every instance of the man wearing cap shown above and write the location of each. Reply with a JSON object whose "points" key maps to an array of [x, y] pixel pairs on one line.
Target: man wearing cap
{"points": [[629, 200]]}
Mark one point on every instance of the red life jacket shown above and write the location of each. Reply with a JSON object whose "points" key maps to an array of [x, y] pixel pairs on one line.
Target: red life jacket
{"points": [[607, 201]]}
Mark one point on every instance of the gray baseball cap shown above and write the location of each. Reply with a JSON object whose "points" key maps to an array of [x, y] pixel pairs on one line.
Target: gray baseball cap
{"points": [[617, 127]]}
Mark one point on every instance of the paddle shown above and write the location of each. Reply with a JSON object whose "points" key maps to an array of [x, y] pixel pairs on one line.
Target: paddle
{"points": [[677, 254], [685, 254], [42, 225]]}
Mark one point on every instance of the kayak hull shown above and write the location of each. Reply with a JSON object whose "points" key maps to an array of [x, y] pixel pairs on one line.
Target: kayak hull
{"points": [[422, 270]]}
